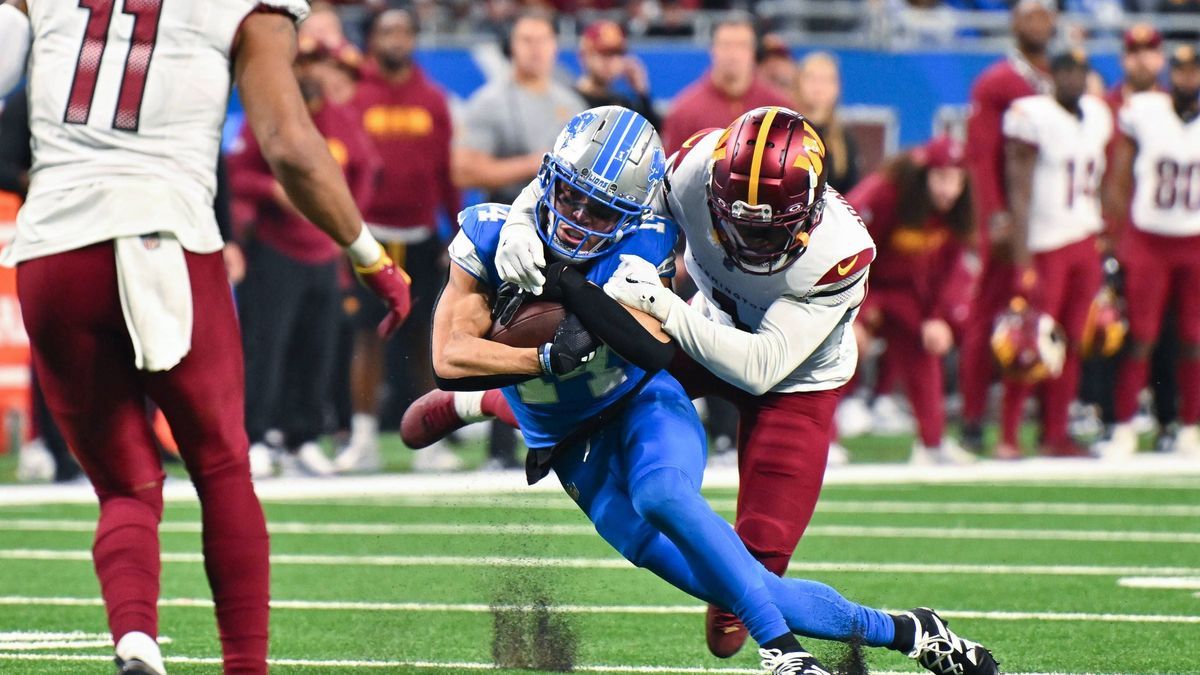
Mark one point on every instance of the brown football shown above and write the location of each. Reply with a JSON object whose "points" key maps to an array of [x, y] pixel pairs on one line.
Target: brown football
{"points": [[533, 325]]}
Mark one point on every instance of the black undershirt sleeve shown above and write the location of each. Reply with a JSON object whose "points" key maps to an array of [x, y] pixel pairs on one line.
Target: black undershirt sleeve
{"points": [[608, 320]]}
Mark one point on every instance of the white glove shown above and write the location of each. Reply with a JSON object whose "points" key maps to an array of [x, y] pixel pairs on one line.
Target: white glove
{"points": [[636, 284], [520, 257]]}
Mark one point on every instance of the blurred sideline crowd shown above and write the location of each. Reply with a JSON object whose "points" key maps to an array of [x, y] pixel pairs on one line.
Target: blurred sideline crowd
{"points": [[315, 368]]}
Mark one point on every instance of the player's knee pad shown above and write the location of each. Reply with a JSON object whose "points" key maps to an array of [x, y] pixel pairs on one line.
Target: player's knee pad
{"points": [[664, 493]]}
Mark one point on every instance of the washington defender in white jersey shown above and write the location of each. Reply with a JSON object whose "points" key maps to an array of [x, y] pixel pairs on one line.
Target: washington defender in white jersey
{"points": [[1065, 204], [1157, 157], [1055, 158], [122, 284]]}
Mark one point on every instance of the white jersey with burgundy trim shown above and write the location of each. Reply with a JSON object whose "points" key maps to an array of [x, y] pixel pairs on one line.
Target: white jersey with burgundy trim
{"points": [[1065, 205], [831, 273], [1166, 171], [127, 104]]}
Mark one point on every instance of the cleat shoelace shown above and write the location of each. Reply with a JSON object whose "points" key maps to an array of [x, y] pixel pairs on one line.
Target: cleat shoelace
{"points": [[790, 663], [936, 653]]}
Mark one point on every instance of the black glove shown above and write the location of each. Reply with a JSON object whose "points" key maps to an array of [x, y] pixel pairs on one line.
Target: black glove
{"points": [[573, 345], [509, 298]]}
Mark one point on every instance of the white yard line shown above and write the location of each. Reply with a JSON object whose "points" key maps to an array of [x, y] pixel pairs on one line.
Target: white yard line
{"points": [[796, 567], [480, 608], [567, 530], [1169, 583], [1136, 472]]}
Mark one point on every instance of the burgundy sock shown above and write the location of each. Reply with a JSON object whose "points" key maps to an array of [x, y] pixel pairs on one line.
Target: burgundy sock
{"points": [[126, 556], [496, 405], [1189, 391], [1130, 379], [236, 559]]}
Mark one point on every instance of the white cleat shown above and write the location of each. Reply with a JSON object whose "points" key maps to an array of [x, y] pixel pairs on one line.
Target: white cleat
{"points": [[888, 416], [838, 455], [436, 458], [853, 417], [779, 662], [262, 465], [1187, 441], [309, 460], [139, 653], [948, 453], [35, 464], [360, 456], [1122, 444]]}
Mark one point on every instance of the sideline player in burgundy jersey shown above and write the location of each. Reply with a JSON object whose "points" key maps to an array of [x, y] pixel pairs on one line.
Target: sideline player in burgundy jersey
{"points": [[1157, 155], [122, 283], [1022, 73], [1056, 157]]}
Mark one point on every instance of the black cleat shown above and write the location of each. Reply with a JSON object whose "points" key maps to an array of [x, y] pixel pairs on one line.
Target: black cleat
{"points": [[940, 651], [779, 662], [134, 666]]}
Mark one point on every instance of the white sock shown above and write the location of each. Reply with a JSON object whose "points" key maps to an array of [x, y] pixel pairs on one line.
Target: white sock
{"points": [[469, 406], [142, 647], [364, 425]]}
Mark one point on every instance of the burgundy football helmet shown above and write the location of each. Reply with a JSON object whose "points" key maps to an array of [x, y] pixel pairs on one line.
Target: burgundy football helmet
{"points": [[1028, 345], [766, 188]]}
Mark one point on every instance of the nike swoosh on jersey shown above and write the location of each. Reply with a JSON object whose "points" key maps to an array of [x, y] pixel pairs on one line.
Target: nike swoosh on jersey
{"points": [[842, 270]]}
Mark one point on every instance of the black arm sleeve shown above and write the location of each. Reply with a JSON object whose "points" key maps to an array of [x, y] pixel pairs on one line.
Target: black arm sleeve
{"points": [[608, 320], [15, 154], [480, 382], [221, 204]]}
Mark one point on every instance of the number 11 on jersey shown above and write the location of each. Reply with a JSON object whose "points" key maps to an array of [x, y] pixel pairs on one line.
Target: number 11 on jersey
{"points": [[146, 15]]}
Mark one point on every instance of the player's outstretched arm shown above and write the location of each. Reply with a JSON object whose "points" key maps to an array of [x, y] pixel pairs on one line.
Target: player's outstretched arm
{"points": [[16, 36], [790, 332], [300, 158], [462, 317]]}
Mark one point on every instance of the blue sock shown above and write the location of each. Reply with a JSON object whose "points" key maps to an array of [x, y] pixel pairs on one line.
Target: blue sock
{"points": [[725, 573], [810, 608]]}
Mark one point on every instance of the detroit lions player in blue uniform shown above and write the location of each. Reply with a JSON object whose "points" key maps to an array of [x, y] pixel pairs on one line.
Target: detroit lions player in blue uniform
{"points": [[625, 442]]}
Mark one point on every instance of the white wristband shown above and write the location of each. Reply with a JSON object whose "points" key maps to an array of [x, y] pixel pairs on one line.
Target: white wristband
{"points": [[365, 251]]}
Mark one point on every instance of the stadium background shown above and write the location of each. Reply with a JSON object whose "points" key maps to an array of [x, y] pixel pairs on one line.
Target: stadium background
{"points": [[1063, 566]]}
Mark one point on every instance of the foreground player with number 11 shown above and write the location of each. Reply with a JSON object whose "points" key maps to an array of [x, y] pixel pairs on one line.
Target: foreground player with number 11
{"points": [[122, 284]]}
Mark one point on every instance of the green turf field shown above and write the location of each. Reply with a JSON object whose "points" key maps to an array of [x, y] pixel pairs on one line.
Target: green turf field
{"points": [[1053, 577]]}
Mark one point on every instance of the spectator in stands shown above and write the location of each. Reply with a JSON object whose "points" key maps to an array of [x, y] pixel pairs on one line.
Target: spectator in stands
{"points": [[289, 301], [775, 63], [506, 129], [604, 58], [324, 25], [510, 123], [918, 210], [819, 89], [407, 118], [1024, 72], [730, 87]]}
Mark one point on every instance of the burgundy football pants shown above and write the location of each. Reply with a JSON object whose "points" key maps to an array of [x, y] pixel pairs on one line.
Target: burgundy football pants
{"points": [[84, 360], [976, 364], [895, 315], [1068, 279], [783, 445], [1159, 270]]}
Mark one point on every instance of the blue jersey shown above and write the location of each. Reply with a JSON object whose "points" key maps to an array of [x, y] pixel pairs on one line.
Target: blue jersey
{"points": [[550, 407]]}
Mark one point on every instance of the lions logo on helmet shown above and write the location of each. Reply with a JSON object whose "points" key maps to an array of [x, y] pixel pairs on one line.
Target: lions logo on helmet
{"points": [[1029, 345], [598, 182]]}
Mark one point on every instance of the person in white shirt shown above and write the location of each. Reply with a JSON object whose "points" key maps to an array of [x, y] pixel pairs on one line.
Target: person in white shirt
{"points": [[1055, 158], [1156, 157]]}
